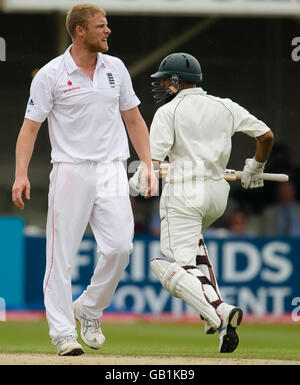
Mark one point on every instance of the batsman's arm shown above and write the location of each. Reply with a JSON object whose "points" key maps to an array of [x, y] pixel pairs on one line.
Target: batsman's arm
{"points": [[24, 148], [138, 133], [264, 146], [255, 166]]}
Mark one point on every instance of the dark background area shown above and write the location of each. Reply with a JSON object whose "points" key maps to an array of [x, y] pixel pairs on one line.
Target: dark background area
{"points": [[246, 59]]}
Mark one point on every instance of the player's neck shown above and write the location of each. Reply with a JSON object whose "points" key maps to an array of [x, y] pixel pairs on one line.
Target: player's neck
{"points": [[82, 57]]}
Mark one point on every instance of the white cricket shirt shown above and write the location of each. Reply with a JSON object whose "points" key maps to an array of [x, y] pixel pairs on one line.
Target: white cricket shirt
{"points": [[194, 130], [84, 117]]}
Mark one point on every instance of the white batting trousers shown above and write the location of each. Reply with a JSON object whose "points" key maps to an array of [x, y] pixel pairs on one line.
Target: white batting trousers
{"points": [[98, 194], [186, 210]]}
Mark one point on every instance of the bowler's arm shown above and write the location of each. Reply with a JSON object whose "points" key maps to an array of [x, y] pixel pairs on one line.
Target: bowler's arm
{"points": [[139, 137], [24, 148], [138, 133]]}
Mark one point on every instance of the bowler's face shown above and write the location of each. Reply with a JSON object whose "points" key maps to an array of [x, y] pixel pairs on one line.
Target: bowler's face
{"points": [[97, 33]]}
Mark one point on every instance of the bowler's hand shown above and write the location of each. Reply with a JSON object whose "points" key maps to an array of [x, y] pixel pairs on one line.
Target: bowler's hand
{"points": [[148, 181], [20, 185]]}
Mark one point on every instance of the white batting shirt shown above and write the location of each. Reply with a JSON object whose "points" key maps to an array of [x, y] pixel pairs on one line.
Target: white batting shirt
{"points": [[84, 117], [194, 130]]}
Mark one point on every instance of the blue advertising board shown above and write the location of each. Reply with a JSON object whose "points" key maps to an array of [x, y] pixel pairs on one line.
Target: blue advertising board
{"points": [[12, 261], [261, 275]]}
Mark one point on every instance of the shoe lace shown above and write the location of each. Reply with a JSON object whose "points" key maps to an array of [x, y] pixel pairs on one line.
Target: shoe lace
{"points": [[90, 324], [66, 339]]}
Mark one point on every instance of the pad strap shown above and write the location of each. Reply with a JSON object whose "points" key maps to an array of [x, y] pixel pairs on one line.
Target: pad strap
{"points": [[202, 260], [205, 281], [216, 303]]}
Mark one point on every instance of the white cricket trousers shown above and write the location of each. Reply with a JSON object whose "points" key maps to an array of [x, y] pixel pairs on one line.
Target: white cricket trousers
{"points": [[98, 194], [186, 210]]}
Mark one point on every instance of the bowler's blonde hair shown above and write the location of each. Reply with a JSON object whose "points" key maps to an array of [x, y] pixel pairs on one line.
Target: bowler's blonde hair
{"points": [[79, 15]]}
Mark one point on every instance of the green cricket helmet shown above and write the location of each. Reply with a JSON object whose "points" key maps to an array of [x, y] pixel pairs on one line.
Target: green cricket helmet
{"points": [[176, 67]]}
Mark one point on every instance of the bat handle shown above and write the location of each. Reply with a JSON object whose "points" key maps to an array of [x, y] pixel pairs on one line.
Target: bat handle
{"points": [[268, 176]]}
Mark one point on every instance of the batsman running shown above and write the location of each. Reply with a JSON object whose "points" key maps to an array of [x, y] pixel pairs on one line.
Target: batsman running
{"points": [[193, 130]]}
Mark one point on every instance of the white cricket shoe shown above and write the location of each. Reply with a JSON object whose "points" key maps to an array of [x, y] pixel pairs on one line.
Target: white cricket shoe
{"points": [[68, 346], [231, 318], [90, 332]]}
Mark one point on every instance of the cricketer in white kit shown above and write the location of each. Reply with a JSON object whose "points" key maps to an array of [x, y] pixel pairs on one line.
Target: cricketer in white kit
{"points": [[84, 94], [193, 130]]}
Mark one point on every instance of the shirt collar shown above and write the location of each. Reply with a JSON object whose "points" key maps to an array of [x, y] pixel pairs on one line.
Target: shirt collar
{"points": [[71, 65], [192, 91], [100, 60]]}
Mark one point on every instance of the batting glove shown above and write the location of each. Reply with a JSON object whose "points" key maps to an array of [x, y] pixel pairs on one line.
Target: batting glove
{"points": [[249, 177], [139, 183], [134, 181]]}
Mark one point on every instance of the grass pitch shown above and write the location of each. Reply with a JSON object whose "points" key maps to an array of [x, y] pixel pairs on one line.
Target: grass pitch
{"points": [[257, 341]]}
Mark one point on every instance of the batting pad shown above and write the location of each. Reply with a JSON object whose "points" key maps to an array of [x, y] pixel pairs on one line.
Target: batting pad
{"points": [[186, 286]]}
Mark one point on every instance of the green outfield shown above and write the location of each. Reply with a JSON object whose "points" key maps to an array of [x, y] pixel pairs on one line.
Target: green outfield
{"points": [[257, 341]]}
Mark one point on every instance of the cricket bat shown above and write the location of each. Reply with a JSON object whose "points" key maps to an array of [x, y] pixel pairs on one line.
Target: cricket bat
{"points": [[229, 175]]}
